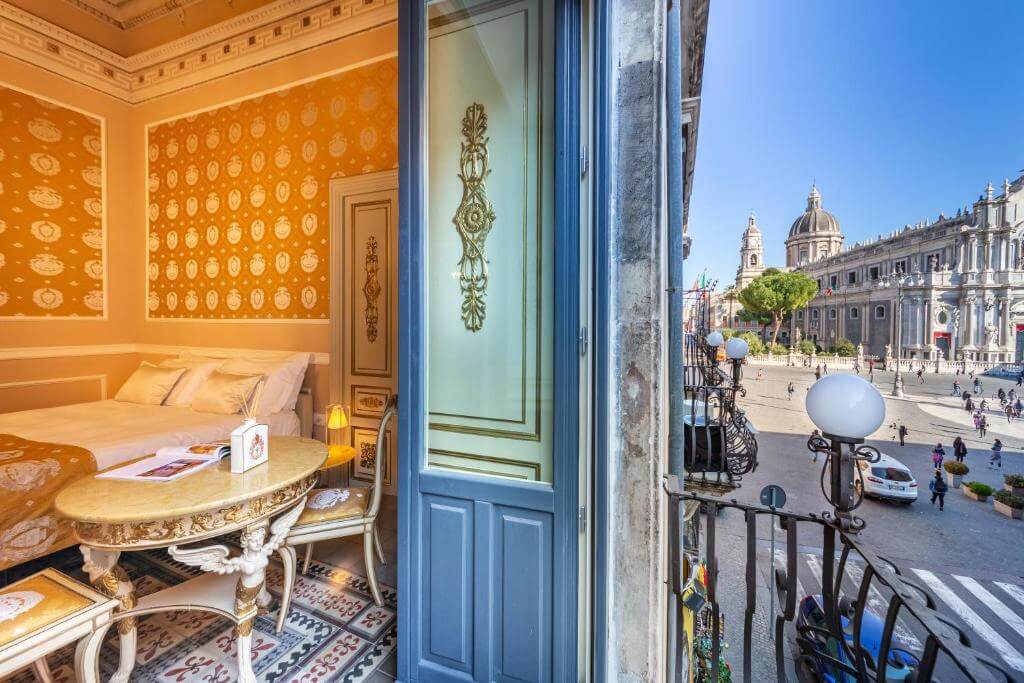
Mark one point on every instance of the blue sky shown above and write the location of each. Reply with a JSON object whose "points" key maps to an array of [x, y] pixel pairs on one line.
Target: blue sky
{"points": [[899, 110]]}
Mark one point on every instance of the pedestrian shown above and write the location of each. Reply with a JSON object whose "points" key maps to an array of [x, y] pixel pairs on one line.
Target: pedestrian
{"points": [[789, 390], [760, 374], [1017, 407], [871, 373], [817, 372], [996, 459], [969, 404], [825, 368], [938, 488], [977, 421], [956, 388], [1009, 412], [938, 453], [977, 386], [1001, 395], [920, 375], [903, 432], [814, 454], [983, 425], [1020, 379], [856, 367], [959, 449]]}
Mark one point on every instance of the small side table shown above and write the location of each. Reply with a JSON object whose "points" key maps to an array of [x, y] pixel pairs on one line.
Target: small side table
{"points": [[338, 454], [44, 612]]}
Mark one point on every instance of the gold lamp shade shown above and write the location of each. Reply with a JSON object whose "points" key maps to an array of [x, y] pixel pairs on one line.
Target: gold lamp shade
{"points": [[336, 417]]}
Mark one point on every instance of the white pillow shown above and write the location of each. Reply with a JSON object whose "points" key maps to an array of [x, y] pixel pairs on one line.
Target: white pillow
{"points": [[149, 385], [196, 372], [283, 380]]}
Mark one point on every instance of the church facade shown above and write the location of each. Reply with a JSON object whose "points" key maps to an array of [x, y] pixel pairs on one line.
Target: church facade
{"points": [[963, 281]]}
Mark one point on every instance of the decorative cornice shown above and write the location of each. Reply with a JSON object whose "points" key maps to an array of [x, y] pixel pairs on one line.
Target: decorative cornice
{"points": [[280, 29]]}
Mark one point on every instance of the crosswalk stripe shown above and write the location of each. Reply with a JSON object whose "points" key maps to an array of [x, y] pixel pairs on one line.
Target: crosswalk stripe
{"points": [[1015, 592], [996, 605], [780, 561], [972, 619], [879, 605]]}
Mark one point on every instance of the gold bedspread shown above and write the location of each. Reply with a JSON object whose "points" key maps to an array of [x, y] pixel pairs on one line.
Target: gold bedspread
{"points": [[31, 475]]}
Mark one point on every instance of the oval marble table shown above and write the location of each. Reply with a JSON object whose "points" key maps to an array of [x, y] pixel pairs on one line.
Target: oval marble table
{"points": [[111, 516]]}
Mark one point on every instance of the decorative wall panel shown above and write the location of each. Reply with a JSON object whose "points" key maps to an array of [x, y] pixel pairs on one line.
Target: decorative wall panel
{"points": [[51, 209], [238, 196]]}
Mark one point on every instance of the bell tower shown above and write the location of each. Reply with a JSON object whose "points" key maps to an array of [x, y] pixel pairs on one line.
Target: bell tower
{"points": [[751, 254]]}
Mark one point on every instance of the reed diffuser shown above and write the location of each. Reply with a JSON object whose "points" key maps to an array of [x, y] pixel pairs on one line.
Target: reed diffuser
{"points": [[250, 442]]}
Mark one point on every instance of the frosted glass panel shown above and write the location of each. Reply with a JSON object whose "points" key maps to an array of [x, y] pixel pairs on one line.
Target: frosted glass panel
{"points": [[490, 238]]}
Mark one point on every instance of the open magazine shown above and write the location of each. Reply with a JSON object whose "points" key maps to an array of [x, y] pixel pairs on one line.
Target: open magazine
{"points": [[171, 462]]}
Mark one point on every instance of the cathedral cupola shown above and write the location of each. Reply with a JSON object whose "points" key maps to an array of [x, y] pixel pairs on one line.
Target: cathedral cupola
{"points": [[814, 235]]}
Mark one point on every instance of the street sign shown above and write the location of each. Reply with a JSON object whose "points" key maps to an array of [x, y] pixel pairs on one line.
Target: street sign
{"points": [[773, 496]]}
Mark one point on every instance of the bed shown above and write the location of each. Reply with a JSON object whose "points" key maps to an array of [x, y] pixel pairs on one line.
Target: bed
{"points": [[42, 451]]}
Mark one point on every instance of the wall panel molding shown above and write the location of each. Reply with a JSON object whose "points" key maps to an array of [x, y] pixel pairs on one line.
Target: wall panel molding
{"points": [[36, 352]]}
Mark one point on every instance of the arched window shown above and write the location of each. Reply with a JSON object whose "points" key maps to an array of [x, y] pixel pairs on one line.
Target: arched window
{"points": [[753, 259], [854, 313], [879, 312]]}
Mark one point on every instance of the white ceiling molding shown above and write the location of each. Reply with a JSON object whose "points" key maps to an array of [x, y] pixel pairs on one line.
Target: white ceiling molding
{"points": [[277, 30]]}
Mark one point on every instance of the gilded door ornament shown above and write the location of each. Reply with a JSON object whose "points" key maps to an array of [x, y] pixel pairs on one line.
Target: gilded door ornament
{"points": [[371, 289], [474, 217], [367, 454]]}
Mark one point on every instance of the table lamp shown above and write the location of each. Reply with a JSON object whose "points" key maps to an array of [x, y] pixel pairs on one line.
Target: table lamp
{"points": [[337, 420]]}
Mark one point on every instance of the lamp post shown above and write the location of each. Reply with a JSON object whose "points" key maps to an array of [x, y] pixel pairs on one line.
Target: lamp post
{"points": [[846, 409], [899, 281], [736, 350]]}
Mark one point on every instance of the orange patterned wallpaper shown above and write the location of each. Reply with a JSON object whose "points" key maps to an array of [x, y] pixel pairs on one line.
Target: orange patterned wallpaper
{"points": [[238, 196], [51, 209]]}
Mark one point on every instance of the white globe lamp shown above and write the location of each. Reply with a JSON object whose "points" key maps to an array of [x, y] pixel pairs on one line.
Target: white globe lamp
{"points": [[845, 407], [736, 348], [715, 339]]}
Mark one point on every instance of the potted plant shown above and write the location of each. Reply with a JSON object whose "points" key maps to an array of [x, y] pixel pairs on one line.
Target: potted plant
{"points": [[955, 472], [1010, 505], [975, 490], [1014, 483]]}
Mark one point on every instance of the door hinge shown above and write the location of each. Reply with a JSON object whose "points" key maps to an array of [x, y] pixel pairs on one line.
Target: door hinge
{"points": [[583, 520], [583, 341], [584, 162]]}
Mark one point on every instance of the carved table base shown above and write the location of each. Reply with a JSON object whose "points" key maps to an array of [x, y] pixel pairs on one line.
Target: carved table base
{"points": [[210, 592]]}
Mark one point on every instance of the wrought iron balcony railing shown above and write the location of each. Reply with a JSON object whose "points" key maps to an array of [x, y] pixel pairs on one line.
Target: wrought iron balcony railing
{"points": [[836, 641]]}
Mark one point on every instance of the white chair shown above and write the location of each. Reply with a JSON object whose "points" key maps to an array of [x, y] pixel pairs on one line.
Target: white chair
{"points": [[336, 513]]}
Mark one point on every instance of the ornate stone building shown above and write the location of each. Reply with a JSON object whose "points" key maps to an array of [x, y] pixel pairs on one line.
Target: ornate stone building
{"points": [[965, 292]]}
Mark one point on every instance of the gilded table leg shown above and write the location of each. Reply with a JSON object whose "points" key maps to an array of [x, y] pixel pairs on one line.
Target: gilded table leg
{"points": [[110, 579], [250, 586]]}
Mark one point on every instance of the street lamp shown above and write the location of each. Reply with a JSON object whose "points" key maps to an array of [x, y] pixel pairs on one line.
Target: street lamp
{"points": [[846, 409], [736, 350], [899, 281]]}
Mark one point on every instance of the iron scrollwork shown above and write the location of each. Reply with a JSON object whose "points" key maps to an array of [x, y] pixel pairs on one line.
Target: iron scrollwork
{"points": [[474, 217]]}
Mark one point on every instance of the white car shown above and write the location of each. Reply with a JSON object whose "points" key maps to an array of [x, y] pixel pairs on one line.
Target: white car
{"points": [[888, 478]]}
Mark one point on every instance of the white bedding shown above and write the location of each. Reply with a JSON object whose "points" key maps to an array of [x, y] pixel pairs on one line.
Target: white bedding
{"points": [[115, 431]]}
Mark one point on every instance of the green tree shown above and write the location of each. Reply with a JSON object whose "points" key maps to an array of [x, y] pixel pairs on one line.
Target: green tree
{"points": [[845, 347], [762, 319], [806, 347], [754, 343], [776, 294]]}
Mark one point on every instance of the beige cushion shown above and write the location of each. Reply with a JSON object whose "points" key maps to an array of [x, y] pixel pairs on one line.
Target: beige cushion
{"points": [[224, 393], [196, 372], [333, 505], [283, 380], [149, 385], [36, 602]]}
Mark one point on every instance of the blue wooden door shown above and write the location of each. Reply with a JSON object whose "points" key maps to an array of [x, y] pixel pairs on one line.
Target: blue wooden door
{"points": [[489, 347]]}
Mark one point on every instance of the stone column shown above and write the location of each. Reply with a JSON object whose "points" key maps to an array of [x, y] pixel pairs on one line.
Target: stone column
{"points": [[1005, 333], [967, 324], [988, 252], [928, 335], [972, 254]]}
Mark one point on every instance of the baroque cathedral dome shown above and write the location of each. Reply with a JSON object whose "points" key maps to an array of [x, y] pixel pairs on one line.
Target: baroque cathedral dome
{"points": [[815, 219]]}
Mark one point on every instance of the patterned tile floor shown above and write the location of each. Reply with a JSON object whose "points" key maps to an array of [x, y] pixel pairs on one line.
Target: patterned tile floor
{"points": [[334, 631]]}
